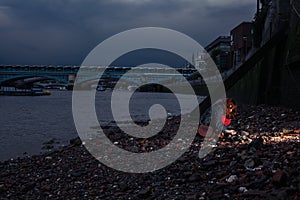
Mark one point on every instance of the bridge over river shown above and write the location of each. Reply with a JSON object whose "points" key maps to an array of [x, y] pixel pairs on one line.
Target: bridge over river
{"points": [[9, 75]]}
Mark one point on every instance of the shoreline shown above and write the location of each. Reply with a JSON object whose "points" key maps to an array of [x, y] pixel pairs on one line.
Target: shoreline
{"points": [[261, 160], [31, 122]]}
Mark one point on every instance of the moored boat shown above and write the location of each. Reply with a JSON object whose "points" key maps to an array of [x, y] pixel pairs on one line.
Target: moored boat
{"points": [[34, 91]]}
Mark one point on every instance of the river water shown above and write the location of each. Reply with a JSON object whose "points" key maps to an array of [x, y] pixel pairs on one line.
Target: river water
{"points": [[27, 122]]}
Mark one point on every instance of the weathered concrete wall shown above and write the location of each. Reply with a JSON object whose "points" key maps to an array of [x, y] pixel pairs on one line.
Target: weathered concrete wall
{"points": [[290, 71], [246, 90], [290, 87], [275, 79]]}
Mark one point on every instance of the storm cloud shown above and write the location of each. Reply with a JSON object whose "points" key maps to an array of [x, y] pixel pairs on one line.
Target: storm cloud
{"points": [[62, 32]]}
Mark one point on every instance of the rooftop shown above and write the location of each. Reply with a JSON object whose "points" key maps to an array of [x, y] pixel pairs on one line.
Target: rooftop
{"points": [[217, 41]]}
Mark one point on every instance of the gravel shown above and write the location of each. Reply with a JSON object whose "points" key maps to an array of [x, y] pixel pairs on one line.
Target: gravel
{"points": [[259, 159]]}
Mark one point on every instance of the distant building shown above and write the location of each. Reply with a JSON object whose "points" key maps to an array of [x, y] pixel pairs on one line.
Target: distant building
{"points": [[241, 42], [198, 60], [219, 50]]}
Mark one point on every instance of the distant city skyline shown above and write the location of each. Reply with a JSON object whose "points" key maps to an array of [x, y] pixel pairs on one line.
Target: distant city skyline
{"points": [[63, 32]]}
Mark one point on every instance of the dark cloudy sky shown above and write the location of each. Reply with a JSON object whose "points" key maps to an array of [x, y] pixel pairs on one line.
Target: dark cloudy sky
{"points": [[62, 32]]}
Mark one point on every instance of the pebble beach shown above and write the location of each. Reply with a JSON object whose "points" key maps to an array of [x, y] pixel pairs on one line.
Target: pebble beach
{"points": [[259, 158]]}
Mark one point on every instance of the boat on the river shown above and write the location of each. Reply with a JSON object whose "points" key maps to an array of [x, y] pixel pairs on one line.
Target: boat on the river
{"points": [[101, 88], [13, 91]]}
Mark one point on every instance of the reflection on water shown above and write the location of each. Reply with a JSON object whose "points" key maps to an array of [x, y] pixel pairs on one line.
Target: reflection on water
{"points": [[27, 122]]}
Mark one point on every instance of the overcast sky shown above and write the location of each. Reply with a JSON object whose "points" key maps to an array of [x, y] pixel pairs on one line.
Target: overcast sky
{"points": [[63, 32]]}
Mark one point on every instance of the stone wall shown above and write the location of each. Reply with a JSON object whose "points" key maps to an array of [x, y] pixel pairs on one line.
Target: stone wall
{"points": [[275, 79]]}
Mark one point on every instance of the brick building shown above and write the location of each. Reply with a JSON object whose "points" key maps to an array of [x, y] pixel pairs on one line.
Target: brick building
{"points": [[241, 42]]}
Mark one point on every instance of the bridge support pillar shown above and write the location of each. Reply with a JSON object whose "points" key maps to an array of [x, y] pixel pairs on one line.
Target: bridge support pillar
{"points": [[71, 80]]}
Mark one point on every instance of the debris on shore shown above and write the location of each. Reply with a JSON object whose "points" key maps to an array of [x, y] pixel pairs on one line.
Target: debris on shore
{"points": [[259, 158]]}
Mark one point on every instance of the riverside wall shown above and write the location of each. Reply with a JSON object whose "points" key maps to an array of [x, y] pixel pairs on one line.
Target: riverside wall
{"points": [[275, 79]]}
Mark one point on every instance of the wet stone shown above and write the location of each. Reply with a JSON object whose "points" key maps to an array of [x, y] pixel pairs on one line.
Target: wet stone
{"points": [[249, 163], [76, 174], [261, 165], [209, 163], [28, 186], [76, 141], [232, 178], [257, 143], [194, 177], [280, 178], [144, 193]]}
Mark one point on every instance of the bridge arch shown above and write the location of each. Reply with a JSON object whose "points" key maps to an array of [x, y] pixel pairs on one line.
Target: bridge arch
{"points": [[19, 77]]}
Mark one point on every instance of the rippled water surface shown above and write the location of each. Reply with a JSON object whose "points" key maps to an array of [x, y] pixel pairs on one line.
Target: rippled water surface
{"points": [[27, 122]]}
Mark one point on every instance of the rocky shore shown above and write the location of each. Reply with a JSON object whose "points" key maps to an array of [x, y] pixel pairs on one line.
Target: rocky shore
{"points": [[258, 159]]}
